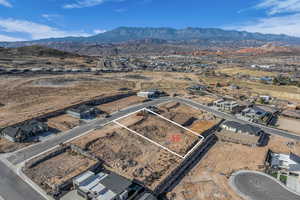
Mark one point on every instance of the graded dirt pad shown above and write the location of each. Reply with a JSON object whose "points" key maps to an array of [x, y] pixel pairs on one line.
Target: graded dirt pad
{"points": [[194, 119], [120, 104], [7, 146], [129, 155], [58, 169], [24, 100], [289, 124], [209, 179], [63, 122], [163, 132]]}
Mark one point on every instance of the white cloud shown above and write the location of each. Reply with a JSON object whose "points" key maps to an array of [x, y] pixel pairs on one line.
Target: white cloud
{"points": [[279, 6], [86, 3], [98, 31], [5, 38], [5, 3], [289, 25], [50, 17], [35, 30]]}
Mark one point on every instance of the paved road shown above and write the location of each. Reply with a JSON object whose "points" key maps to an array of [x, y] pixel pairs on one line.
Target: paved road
{"points": [[266, 129], [258, 186], [23, 155], [12, 187]]}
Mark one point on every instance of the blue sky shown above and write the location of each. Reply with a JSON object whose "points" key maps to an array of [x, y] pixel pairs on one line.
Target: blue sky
{"points": [[37, 19]]}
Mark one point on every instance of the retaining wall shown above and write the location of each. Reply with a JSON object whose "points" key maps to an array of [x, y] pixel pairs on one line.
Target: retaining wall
{"points": [[185, 166]]}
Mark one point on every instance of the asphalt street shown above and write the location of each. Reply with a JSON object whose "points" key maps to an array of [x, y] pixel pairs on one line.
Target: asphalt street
{"points": [[12, 187], [257, 186]]}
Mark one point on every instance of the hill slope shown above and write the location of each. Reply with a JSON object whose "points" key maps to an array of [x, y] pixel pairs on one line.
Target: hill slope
{"points": [[191, 35]]}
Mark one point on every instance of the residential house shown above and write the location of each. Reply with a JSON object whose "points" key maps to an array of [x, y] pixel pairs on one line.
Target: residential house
{"points": [[153, 93], [255, 114], [84, 112], [248, 129], [227, 106], [241, 128], [23, 132], [147, 196], [102, 186], [287, 165], [197, 87]]}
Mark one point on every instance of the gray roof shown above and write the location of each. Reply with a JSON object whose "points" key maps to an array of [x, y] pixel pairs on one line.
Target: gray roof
{"points": [[10, 131], [147, 196], [294, 167], [116, 183], [246, 128], [233, 124], [295, 158]]}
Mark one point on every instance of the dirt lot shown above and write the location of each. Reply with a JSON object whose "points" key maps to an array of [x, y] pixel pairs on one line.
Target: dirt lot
{"points": [[209, 179], [59, 169], [163, 132], [289, 124], [129, 155], [120, 104], [238, 70], [29, 96], [24, 99], [194, 119], [63, 122], [6, 146]]}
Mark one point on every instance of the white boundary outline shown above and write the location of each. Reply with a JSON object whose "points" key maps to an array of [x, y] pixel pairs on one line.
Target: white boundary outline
{"points": [[149, 140]]}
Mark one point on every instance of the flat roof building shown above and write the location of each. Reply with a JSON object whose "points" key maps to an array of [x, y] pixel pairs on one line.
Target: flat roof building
{"points": [[102, 186]]}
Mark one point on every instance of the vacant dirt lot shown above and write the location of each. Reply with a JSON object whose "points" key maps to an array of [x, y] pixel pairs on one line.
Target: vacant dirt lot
{"points": [[58, 169], [289, 124], [129, 155], [63, 122], [238, 70], [163, 132], [24, 99], [120, 104], [209, 179], [194, 119], [6, 146]]}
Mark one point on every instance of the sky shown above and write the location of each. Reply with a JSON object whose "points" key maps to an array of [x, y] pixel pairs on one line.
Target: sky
{"points": [[22, 20]]}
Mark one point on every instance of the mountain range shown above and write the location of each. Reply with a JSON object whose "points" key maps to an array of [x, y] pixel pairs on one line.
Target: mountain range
{"points": [[166, 38]]}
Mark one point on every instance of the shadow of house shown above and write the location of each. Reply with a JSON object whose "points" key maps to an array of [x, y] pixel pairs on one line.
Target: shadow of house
{"points": [[84, 112], [25, 131]]}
